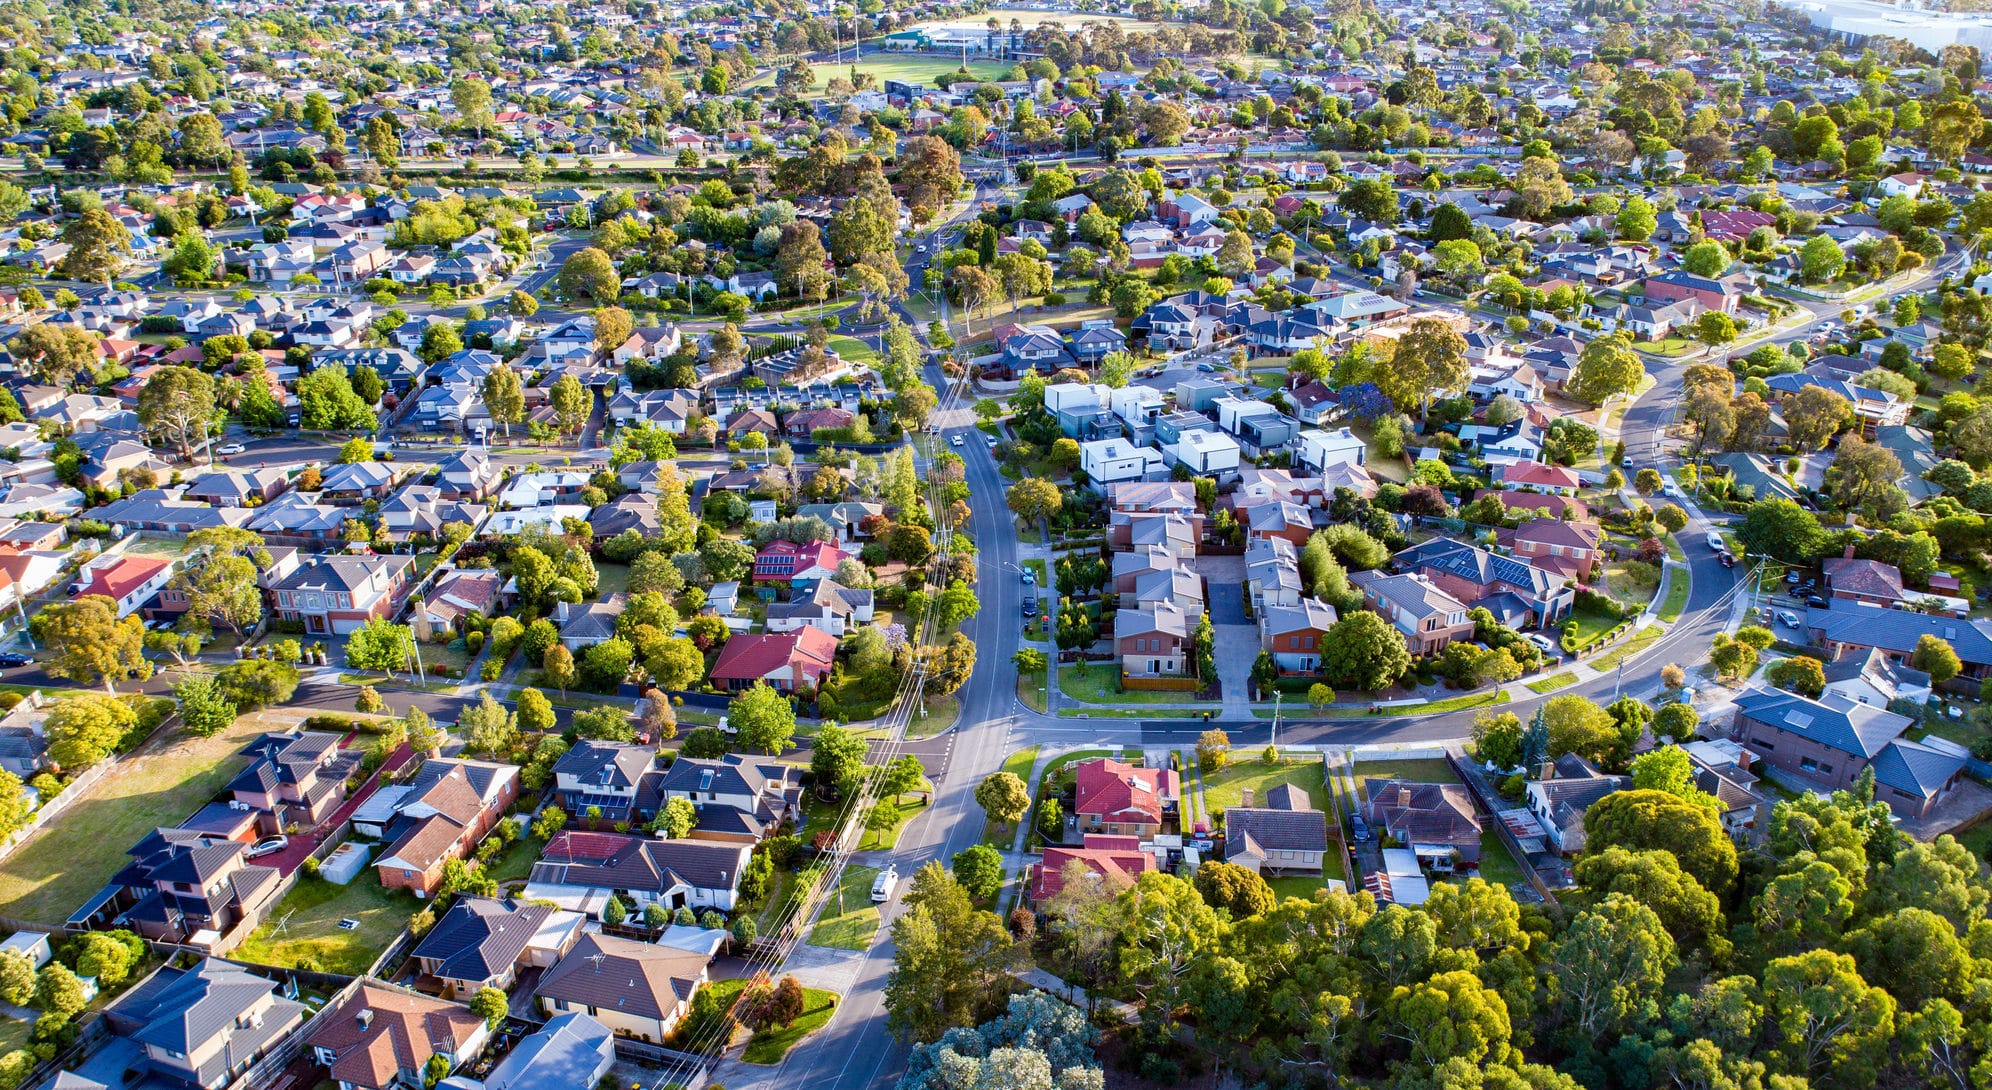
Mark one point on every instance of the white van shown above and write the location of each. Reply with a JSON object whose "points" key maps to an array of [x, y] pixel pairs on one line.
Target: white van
{"points": [[1715, 542], [883, 885]]}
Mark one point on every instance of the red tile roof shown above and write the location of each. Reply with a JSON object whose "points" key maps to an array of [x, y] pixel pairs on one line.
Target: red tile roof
{"points": [[117, 580], [1118, 860], [1113, 791], [808, 649]]}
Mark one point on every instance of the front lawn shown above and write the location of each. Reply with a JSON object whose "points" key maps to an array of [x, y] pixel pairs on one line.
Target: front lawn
{"points": [[770, 1045], [312, 936], [1632, 584], [1587, 626], [1100, 684], [1226, 788], [849, 918], [1551, 683], [514, 862], [71, 857], [1030, 690]]}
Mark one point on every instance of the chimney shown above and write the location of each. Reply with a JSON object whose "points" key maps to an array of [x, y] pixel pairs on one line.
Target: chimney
{"points": [[366, 1017], [1548, 771], [1849, 554], [1403, 796]]}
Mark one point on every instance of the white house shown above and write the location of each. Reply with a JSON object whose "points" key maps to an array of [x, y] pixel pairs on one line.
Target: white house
{"points": [[1116, 459], [1321, 448], [1207, 453]]}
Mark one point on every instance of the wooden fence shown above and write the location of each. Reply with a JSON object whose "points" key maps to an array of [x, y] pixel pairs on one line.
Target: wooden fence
{"points": [[1160, 684]]}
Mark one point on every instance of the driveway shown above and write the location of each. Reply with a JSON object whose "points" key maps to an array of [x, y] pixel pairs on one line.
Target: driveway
{"points": [[1226, 602], [1237, 648]]}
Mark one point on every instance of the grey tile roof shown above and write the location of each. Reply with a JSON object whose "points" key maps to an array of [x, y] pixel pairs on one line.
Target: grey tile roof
{"points": [[1834, 721], [479, 938], [1897, 630], [1915, 768], [631, 978]]}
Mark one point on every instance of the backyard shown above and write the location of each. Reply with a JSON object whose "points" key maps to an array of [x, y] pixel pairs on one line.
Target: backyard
{"points": [[849, 918], [61, 865], [310, 916], [1496, 865]]}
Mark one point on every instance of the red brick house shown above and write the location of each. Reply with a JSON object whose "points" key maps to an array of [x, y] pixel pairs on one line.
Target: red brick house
{"points": [[1122, 800], [1869, 581], [802, 423], [447, 809], [784, 562], [787, 661], [1118, 860], [337, 595], [1569, 549]]}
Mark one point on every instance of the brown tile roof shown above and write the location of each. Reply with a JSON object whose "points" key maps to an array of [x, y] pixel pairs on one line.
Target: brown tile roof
{"points": [[624, 976], [383, 1030]]}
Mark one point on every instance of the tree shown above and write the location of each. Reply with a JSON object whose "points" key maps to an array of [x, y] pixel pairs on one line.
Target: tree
{"points": [[177, 402], [504, 398], [1668, 769], [203, 708], [1239, 891], [901, 777], [85, 729], [1430, 357], [1782, 530], [1003, 797], [54, 353], [535, 711], [1830, 1018], [90, 644], [1636, 220], [837, 759], [488, 727], [1363, 651], [1450, 1017], [979, 869], [590, 272], [1607, 368], [572, 403], [557, 667], [1613, 959], [221, 589], [58, 991], [951, 960], [490, 1004], [1706, 258], [612, 327], [1213, 750], [676, 819], [1821, 259], [1815, 414], [1163, 927], [379, 645], [98, 246], [1935, 657], [1576, 725], [1642, 820], [1802, 674], [258, 683], [17, 977], [763, 718]]}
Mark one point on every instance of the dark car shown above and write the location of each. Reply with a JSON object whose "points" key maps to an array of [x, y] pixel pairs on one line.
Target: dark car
{"points": [[1816, 602], [1030, 606], [15, 658], [1728, 559], [1359, 829]]}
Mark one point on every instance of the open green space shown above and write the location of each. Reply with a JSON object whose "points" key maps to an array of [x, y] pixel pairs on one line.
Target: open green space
{"points": [[934, 715], [515, 861], [1676, 602], [312, 938], [1030, 690], [849, 918], [164, 782], [1099, 683], [1303, 886], [1496, 865], [1551, 683], [853, 349], [911, 69], [773, 1043], [610, 578], [1633, 584], [1415, 769], [1630, 646], [1588, 626], [1226, 787], [1435, 707]]}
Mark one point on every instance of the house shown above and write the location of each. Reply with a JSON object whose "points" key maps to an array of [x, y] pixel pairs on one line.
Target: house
{"points": [[1319, 448], [383, 1036], [1563, 548], [1871, 679], [1832, 740], [1869, 582], [788, 661], [1428, 616], [1517, 592], [1285, 835], [1436, 821], [601, 775], [236, 487], [1846, 628], [1292, 634], [204, 1025], [579, 869], [826, 605], [1872, 408], [585, 624], [450, 806], [1116, 861], [1152, 641], [356, 483], [1565, 789], [1721, 768], [1906, 184], [784, 562], [845, 519], [469, 476], [1123, 799], [737, 797], [186, 886], [1278, 519], [572, 1049], [1115, 459], [337, 595], [635, 989], [484, 943], [1542, 478], [294, 777], [128, 581]]}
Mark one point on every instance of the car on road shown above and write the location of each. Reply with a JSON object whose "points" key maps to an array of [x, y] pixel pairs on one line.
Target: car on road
{"points": [[232, 448], [1816, 602], [954, 441], [884, 884], [1715, 541], [16, 658], [1787, 618], [1207, 368], [1728, 558], [269, 845]]}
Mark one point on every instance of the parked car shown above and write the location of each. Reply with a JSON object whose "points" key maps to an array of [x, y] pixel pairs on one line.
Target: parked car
{"points": [[1715, 541], [1207, 368], [1816, 602], [1728, 559], [1787, 618], [1542, 643], [1359, 829], [16, 658], [1030, 578], [232, 448], [1200, 836], [269, 845], [1030, 606]]}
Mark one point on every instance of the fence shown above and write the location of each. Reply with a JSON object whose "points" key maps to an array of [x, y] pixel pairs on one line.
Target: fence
{"points": [[264, 1071], [74, 791], [1160, 684]]}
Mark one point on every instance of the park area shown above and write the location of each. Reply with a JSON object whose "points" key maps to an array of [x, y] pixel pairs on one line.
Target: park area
{"points": [[161, 784], [304, 930], [910, 69]]}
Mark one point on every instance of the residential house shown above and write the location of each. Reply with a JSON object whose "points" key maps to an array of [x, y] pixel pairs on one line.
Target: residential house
{"points": [[572, 1049], [204, 1025], [188, 887], [825, 604], [601, 776], [585, 624], [579, 869], [1123, 799], [1284, 835], [1570, 550], [1869, 679], [784, 562], [635, 989], [1428, 616], [1436, 821], [1562, 792], [1869, 582], [449, 807], [1292, 634], [1846, 628], [423, 509], [337, 595], [128, 581], [383, 1037], [1517, 592], [1153, 641], [295, 777], [1115, 861], [485, 943], [236, 487], [1115, 459], [789, 661], [1832, 740], [1319, 448], [356, 483], [738, 798]]}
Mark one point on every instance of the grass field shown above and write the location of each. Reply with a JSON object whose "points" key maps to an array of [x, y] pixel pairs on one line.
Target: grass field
{"points": [[936, 714], [314, 908], [1417, 770], [1226, 788], [1030, 690], [1302, 886], [71, 858], [851, 923], [1551, 683], [1676, 601], [1496, 865], [1632, 645], [773, 1043], [853, 349], [1588, 625], [910, 69]]}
